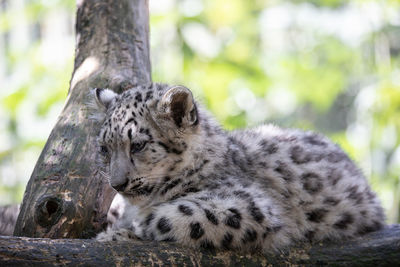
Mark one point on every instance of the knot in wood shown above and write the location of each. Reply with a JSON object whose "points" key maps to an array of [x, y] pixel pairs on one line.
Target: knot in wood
{"points": [[48, 210]]}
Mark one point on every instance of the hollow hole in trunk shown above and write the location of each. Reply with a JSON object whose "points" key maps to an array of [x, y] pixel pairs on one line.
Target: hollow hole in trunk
{"points": [[51, 207]]}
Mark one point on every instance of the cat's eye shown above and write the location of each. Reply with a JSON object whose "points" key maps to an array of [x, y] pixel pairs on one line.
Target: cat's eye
{"points": [[103, 150], [137, 147]]}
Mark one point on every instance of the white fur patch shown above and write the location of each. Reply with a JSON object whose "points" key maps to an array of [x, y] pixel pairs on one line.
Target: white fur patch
{"points": [[98, 102], [106, 95]]}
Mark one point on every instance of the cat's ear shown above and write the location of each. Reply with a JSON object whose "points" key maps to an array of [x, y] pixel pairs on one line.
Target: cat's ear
{"points": [[104, 97], [178, 104]]}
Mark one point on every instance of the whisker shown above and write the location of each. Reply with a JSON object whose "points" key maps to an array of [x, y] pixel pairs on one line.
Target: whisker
{"points": [[104, 174]]}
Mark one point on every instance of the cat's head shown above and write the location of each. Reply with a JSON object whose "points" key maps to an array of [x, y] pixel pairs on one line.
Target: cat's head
{"points": [[145, 135]]}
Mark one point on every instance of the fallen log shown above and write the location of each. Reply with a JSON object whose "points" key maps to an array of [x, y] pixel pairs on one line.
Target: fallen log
{"points": [[380, 248]]}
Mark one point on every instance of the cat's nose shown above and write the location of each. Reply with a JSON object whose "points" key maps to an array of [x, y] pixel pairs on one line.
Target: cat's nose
{"points": [[121, 186]]}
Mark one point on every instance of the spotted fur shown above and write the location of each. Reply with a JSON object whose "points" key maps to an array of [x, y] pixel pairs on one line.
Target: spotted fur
{"points": [[186, 180]]}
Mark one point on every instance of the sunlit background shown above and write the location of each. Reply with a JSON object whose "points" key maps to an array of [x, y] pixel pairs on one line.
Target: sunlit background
{"points": [[326, 65]]}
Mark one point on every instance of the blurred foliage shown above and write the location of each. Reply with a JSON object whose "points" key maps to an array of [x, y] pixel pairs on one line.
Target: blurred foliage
{"points": [[36, 58], [330, 66]]}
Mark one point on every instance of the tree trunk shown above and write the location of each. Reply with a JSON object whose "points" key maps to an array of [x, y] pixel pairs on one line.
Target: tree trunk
{"points": [[376, 249], [66, 197]]}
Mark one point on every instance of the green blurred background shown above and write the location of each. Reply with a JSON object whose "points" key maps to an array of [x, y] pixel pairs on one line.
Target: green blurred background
{"points": [[331, 66]]}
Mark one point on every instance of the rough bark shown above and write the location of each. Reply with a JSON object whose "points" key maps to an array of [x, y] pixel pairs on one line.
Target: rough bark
{"points": [[66, 196], [376, 249]]}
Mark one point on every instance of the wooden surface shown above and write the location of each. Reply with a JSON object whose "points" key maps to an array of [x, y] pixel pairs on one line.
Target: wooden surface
{"points": [[376, 249], [66, 196]]}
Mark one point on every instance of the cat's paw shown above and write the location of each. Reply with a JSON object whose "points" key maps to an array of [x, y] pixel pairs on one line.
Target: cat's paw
{"points": [[116, 235]]}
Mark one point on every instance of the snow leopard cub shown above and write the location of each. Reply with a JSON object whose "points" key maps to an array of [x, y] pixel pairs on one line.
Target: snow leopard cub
{"points": [[188, 181]]}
